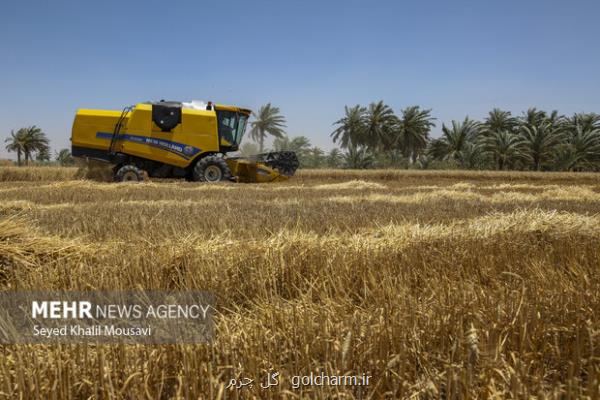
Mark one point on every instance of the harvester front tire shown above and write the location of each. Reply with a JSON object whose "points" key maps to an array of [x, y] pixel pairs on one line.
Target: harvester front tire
{"points": [[212, 169], [129, 173]]}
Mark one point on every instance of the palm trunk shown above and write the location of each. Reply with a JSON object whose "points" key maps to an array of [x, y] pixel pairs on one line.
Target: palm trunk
{"points": [[19, 158], [261, 142]]}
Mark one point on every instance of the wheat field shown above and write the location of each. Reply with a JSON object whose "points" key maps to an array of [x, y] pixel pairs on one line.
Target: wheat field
{"points": [[438, 284]]}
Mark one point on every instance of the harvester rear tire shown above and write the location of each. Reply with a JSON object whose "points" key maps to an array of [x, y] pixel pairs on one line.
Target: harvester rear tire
{"points": [[211, 169], [129, 173]]}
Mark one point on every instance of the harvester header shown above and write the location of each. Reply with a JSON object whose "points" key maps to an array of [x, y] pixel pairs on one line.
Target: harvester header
{"points": [[170, 139]]}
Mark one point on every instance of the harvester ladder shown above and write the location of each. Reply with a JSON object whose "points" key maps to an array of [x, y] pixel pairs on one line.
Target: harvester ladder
{"points": [[117, 130]]}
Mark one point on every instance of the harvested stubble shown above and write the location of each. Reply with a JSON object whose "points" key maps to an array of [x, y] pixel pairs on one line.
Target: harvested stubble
{"points": [[36, 174], [445, 287]]}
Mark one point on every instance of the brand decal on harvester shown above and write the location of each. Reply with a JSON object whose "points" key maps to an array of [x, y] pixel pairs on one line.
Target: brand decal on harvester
{"points": [[182, 150]]}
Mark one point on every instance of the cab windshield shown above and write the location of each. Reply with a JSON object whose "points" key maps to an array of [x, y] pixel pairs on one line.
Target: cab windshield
{"points": [[232, 126]]}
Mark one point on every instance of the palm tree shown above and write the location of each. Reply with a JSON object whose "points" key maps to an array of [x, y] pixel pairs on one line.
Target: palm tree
{"points": [[505, 147], [424, 161], [471, 155], [335, 158], [268, 120], [415, 126], [499, 120], [437, 149], [43, 154], [533, 117], [34, 141], [64, 157], [316, 157], [588, 122], [541, 141], [455, 139], [381, 127], [298, 144], [351, 129], [582, 150], [16, 143], [580, 147], [358, 157], [555, 119], [392, 158]]}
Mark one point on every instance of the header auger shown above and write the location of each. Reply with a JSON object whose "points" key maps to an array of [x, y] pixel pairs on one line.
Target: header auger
{"points": [[169, 139]]}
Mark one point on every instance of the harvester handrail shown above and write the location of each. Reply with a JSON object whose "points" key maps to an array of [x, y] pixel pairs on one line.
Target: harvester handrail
{"points": [[117, 129]]}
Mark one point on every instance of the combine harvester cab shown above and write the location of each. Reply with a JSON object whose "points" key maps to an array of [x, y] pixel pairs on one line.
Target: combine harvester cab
{"points": [[175, 140]]}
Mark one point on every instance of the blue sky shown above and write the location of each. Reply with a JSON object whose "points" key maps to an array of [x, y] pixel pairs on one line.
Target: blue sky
{"points": [[310, 58]]}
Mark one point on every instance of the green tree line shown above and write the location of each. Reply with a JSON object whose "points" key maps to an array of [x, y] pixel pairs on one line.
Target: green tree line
{"points": [[376, 137], [536, 140]]}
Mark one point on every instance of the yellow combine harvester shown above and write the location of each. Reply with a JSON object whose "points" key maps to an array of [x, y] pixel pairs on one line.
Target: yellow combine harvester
{"points": [[168, 139]]}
